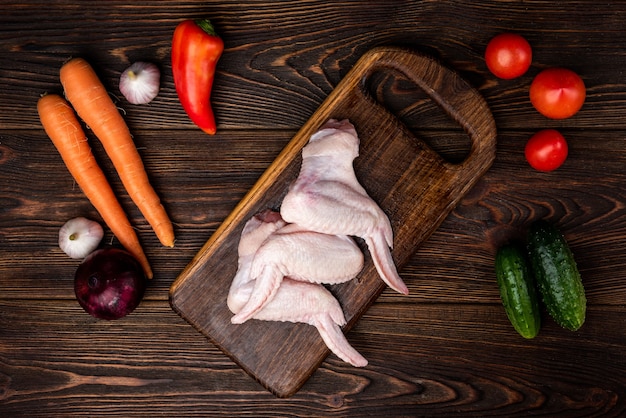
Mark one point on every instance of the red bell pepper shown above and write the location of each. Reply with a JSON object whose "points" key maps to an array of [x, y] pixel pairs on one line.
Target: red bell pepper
{"points": [[196, 48]]}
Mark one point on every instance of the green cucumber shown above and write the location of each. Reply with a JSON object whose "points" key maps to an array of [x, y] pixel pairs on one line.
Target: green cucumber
{"points": [[557, 275], [517, 290]]}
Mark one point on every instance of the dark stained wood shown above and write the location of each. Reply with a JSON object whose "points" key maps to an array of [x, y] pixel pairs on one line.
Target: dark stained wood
{"points": [[415, 187], [147, 370], [444, 350]]}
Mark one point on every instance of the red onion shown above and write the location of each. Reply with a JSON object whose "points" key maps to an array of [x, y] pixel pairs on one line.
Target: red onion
{"points": [[109, 283]]}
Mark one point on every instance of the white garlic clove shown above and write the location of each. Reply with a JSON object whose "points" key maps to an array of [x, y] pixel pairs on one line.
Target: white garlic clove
{"points": [[139, 83], [79, 237]]}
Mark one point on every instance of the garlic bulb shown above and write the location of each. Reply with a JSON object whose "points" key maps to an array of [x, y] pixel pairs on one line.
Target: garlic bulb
{"points": [[79, 237], [139, 83]]}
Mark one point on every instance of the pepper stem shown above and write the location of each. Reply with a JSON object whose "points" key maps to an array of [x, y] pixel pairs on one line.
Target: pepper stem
{"points": [[207, 26]]}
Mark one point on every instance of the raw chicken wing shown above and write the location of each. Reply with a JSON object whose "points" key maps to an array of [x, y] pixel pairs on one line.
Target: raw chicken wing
{"points": [[327, 197], [293, 301], [302, 255]]}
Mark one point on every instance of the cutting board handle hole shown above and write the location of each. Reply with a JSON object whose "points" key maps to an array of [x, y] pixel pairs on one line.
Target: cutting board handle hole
{"points": [[419, 113]]}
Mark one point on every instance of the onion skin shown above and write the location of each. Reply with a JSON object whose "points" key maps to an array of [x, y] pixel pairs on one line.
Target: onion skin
{"points": [[139, 83], [109, 283], [80, 236]]}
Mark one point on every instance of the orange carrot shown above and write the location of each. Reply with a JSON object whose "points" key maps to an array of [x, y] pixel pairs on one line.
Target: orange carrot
{"points": [[62, 126], [92, 102]]}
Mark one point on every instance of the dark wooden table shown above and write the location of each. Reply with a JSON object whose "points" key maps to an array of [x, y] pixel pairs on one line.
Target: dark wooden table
{"points": [[447, 349]]}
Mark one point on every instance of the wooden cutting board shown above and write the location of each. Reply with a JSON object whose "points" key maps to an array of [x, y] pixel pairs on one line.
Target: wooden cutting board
{"points": [[412, 184]]}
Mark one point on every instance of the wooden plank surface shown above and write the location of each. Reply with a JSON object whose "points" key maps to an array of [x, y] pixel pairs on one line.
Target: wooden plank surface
{"points": [[444, 350]]}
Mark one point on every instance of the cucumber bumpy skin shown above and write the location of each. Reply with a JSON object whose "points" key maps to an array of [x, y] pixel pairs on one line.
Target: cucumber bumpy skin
{"points": [[517, 290], [557, 275]]}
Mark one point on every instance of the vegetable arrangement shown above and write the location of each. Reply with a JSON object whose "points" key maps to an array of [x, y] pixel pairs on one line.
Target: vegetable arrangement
{"points": [[109, 283], [544, 267], [93, 104], [62, 126], [196, 49], [556, 93], [547, 266]]}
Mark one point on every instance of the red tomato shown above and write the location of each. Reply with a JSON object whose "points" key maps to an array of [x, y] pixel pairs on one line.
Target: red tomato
{"points": [[557, 93], [508, 55], [546, 150]]}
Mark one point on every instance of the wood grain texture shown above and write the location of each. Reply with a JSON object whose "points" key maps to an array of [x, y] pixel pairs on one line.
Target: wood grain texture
{"points": [[284, 59], [448, 362], [446, 349]]}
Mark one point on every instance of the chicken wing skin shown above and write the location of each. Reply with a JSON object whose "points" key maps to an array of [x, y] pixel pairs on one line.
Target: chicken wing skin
{"points": [[327, 198], [302, 255], [256, 230], [293, 300]]}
